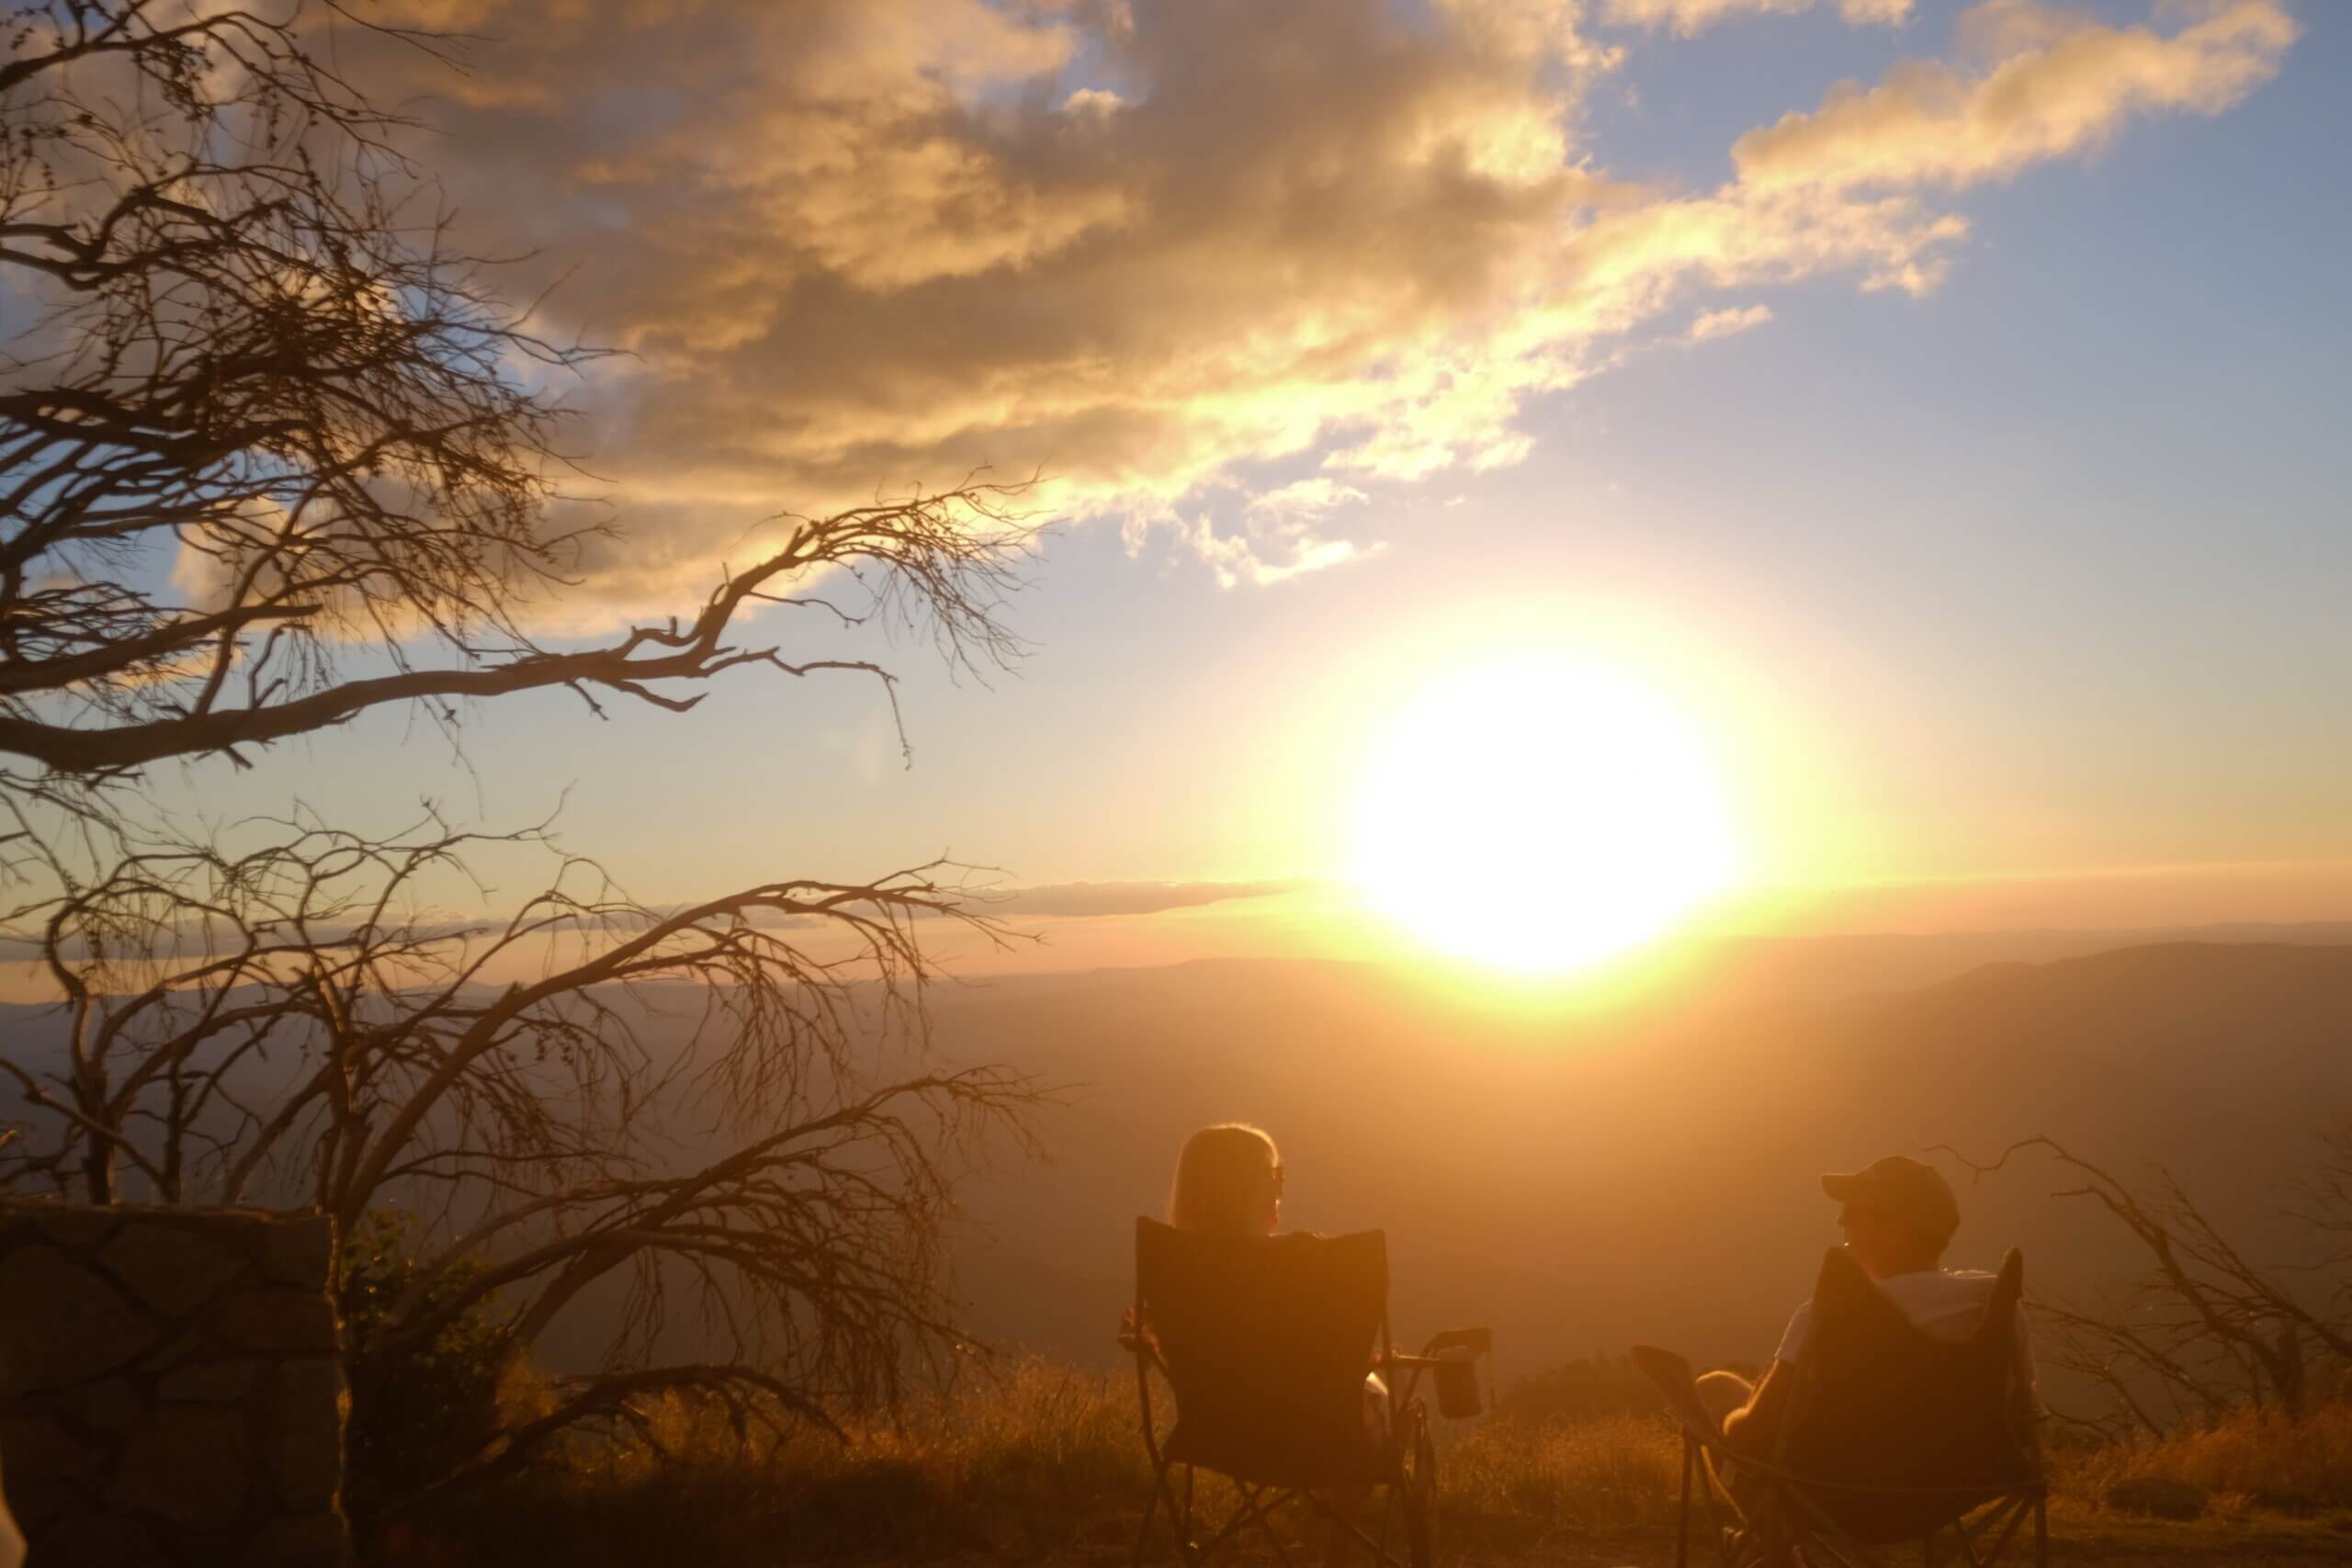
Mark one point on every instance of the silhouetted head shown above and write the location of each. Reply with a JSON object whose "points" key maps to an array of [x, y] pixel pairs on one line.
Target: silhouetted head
{"points": [[1228, 1181], [1898, 1215]]}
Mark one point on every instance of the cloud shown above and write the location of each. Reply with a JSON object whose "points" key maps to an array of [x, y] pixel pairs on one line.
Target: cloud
{"points": [[1310, 498], [1280, 535], [1101, 899], [1688, 17], [2059, 84], [1723, 324], [1145, 246], [1253, 558]]}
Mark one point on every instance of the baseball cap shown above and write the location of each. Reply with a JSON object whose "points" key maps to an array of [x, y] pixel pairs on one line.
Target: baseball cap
{"points": [[1914, 1193]]}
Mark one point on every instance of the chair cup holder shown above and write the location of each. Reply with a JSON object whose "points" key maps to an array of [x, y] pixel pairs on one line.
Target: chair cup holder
{"points": [[1456, 1376]]}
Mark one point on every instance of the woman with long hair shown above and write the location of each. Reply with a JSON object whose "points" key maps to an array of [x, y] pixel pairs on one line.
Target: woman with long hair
{"points": [[1229, 1183]]}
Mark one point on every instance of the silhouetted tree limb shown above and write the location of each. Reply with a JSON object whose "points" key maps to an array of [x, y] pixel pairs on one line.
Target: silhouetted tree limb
{"points": [[2208, 1328], [270, 419], [737, 1391]]}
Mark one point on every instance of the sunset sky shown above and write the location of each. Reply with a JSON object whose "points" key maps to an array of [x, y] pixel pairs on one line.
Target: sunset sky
{"points": [[1938, 406]]}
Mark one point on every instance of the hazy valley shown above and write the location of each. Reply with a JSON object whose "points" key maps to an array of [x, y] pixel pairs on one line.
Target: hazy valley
{"points": [[1584, 1181]]}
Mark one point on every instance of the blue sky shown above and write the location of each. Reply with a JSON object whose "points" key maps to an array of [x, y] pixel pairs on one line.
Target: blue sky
{"points": [[2037, 573]]}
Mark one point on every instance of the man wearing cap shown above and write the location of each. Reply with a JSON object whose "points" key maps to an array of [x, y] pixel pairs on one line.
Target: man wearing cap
{"points": [[1898, 1215]]}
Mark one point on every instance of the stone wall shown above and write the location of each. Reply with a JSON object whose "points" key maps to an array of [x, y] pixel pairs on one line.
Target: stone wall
{"points": [[169, 1388]]}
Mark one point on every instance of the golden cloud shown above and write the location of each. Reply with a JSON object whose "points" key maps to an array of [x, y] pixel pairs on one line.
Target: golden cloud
{"points": [[1723, 324], [1688, 17], [856, 244], [2061, 84]]}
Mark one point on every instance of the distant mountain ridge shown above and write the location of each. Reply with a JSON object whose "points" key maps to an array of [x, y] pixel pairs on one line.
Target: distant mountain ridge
{"points": [[1825, 966]]}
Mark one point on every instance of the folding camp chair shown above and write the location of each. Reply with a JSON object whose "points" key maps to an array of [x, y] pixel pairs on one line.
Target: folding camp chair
{"points": [[1265, 1343], [1892, 1436]]}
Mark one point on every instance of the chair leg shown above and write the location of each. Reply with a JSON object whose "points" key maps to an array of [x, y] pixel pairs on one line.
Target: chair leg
{"points": [[1245, 1513], [1261, 1514], [2015, 1517], [1379, 1549], [1965, 1540], [1143, 1531], [1682, 1520], [1180, 1522], [1267, 1521], [2041, 1532]]}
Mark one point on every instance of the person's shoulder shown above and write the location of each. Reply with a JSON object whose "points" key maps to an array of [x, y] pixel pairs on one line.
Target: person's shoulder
{"points": [[1958, 1281], [1925, 1285], [1971, 1285]]}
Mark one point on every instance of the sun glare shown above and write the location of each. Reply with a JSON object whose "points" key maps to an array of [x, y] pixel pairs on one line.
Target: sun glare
{"points": [[1541, 815]]}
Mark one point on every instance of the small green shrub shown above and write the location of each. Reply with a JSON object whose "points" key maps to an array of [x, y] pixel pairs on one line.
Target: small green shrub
{"points": [[418, 1414]]}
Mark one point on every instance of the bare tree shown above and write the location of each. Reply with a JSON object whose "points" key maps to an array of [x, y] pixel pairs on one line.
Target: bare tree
{"points": [[266, 462], [267, 418], [2207, 1329], [2321, 1207], [685, 1102]]}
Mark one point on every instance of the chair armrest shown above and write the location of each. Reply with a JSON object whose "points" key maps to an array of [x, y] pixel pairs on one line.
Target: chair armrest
{"points": [[1671, 1375]]}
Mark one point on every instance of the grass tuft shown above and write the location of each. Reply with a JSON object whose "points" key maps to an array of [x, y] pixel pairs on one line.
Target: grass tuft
{"points": [[1516, 1483], [2250, 1461]]}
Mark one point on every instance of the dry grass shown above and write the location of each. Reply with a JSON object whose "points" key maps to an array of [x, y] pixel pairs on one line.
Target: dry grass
{"points": [[1519, 1482], [1043, 1462], [1038, 1458], [2251, 1462]]}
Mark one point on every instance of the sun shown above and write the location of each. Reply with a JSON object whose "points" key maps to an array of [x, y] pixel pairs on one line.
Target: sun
{"points": [[1541, 815]]}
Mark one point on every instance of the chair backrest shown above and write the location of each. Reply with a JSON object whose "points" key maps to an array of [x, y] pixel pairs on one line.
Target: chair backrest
{"points": [[1266, 1343], [1883, 1406]]}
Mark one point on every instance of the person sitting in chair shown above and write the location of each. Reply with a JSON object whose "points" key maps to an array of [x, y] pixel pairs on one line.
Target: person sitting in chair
{"points": [[1229, 1183], [1898, 1216]]}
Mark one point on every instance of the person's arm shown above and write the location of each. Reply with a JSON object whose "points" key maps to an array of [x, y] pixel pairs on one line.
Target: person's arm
{"points": [[1755, 1428], [1135, 1336]]}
